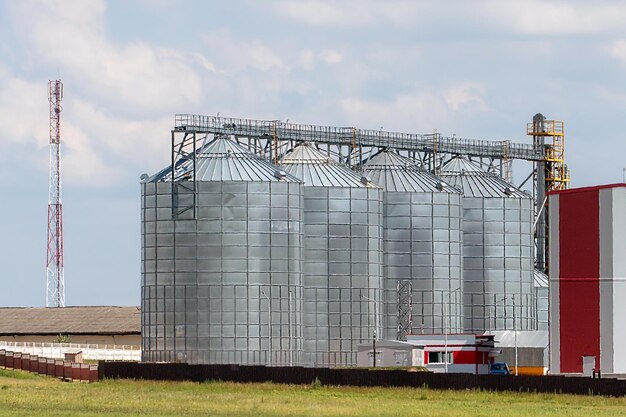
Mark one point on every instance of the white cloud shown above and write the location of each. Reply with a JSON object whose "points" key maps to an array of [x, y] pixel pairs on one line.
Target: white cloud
{"points": [[24, 112], [24, 115], [235, 56], [120, 97], [165, 6], [81, 163], [314, 12], [129, 139], [357, 13], [405, 112], [4, 71], [536, 17], [617, 49], [331, 57], [417, 112], [461, 96], [97, 149], [206, 64], [136, 86], [71, 36], [521, 17], [102, 149], [306, 59]]}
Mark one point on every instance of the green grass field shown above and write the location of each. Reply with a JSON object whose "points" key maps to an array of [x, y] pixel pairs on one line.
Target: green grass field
{"points": [[23, 394]]}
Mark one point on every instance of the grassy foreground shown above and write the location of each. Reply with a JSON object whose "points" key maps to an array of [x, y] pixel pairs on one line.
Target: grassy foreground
{"points": [[23, 394]]}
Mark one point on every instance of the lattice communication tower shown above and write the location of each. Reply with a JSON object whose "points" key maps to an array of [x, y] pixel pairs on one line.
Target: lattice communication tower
{"points": [[55, 285]]}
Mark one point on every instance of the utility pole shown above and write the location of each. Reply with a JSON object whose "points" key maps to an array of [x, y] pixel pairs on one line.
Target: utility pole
{"points": [[515, 330], [374, 348], [55, 284]]}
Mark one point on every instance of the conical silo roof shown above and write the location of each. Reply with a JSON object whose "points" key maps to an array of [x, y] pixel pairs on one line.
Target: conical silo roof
{"points": [[394, 172], [222, 159], [473, 181], [317, 170]]}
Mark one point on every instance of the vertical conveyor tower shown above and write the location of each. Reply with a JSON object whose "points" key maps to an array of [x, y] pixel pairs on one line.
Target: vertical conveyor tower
{"points": [[551, 173]]}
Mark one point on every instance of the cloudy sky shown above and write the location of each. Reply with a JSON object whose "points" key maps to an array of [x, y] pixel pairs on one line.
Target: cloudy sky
{"points": [[477, 69]]}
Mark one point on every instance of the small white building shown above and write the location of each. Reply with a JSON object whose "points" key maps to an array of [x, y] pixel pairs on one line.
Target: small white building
{"points": [[464, 353], [390, 353]]}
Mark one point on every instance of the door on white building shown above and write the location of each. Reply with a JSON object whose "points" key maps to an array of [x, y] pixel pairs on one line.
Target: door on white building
{"points": [[589, 364]]}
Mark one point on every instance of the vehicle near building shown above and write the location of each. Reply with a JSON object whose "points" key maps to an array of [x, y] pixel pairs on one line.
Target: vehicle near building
{"points": [[499, 368]]}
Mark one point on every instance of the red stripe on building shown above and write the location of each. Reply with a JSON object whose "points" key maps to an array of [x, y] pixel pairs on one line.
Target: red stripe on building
{"points": [[579, 283], [471, 357]]}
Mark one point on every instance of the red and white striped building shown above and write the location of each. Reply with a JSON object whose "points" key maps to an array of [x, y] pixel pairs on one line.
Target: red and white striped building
{"points": [[587, 279], [463, 352]]}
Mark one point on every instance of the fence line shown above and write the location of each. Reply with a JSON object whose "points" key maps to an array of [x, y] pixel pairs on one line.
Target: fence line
{"points": [[90, 351], [362, 377], [47, 366]]}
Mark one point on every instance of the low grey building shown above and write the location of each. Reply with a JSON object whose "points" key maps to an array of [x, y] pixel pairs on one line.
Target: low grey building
{"points": [[390, 353], [104, 325], [532, 350]]}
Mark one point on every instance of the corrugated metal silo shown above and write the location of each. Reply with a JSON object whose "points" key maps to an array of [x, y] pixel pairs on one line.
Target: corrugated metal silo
{"points": [[497, 249], [342, 257], [223, 285], [422, 248], [541, 299]]}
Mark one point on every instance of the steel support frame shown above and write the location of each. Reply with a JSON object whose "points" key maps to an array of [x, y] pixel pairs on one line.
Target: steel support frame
{"points": [[434, 143], [184, 151], [350, 146], [405, 309]]}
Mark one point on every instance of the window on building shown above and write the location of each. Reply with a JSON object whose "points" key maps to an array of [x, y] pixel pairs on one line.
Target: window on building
{"points": [[401, 358], [438, 357]]}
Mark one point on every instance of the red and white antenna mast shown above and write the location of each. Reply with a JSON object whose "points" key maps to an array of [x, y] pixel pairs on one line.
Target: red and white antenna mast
{"points": [[55, 293]]}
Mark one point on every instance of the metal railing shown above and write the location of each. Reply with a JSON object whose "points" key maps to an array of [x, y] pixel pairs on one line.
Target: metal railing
{"points": [[353, 136], [90, 351]]}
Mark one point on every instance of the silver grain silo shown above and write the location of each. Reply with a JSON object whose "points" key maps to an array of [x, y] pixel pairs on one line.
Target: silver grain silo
{"points": [[497, 249], [342, 257], [422, 228], [222, 283], [541, 299]]}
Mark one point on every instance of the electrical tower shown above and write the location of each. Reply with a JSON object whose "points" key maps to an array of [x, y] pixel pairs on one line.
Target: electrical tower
{"points": [[55, 292]]}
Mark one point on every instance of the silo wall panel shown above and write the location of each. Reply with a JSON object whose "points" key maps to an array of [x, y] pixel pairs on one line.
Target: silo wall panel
{"points": [[225, 276], [343, 243], [422, 238], [498, 264]]}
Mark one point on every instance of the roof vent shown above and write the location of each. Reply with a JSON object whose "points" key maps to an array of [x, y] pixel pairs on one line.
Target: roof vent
{"points": [[280, 174], [440, 186]]}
